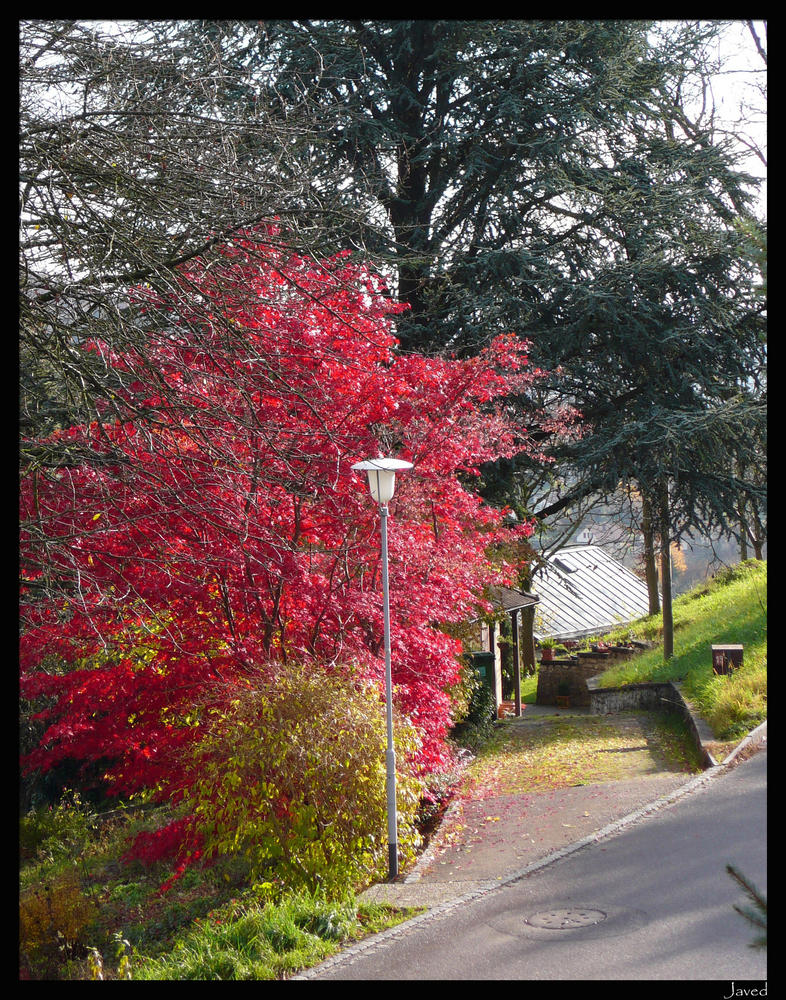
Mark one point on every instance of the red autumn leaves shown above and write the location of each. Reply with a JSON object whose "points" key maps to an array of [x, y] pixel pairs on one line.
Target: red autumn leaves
{"points": [[214, 523]]}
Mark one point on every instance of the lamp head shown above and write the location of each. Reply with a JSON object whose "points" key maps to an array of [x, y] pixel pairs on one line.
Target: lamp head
{"points": [[382, 476]]}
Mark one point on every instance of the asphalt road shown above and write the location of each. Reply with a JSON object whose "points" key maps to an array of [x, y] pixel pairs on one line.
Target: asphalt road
{"points": [[651, 902]]}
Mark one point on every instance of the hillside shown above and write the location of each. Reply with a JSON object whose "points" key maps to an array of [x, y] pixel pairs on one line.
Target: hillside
{"points": [[730, 608]]}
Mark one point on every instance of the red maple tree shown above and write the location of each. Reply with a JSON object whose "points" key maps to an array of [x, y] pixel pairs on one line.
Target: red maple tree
{"points": [[212, 521]]}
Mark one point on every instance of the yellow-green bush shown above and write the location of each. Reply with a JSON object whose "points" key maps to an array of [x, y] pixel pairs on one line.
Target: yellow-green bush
{"points": [[55, 921], [292, 775]]}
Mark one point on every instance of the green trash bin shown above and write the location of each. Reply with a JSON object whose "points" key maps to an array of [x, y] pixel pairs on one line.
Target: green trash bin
{"points": [[484, 665]]}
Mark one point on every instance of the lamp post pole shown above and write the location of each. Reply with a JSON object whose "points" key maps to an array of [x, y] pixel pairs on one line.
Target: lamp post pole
{"points": [[382, 484], [390, 756]]}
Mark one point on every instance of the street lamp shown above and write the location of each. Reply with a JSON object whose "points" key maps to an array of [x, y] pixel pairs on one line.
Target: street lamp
{"points": [[382, 484]]}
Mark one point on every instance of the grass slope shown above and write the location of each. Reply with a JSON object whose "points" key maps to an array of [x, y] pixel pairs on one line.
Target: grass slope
{"points": [[731, 608]]}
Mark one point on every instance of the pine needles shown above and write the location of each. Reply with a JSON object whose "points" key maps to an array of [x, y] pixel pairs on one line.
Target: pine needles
{"points": [[755, 914]]}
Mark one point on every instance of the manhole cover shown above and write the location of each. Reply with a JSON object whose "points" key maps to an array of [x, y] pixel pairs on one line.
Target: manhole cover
{"points": [[563, 920]]}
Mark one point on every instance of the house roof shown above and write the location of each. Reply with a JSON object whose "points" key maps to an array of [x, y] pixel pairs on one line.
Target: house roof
{"points": [[511, 600], [582, 590]]}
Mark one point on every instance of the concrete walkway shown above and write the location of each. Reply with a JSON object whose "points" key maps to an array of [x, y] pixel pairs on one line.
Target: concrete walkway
{"points": [[485, 843]]}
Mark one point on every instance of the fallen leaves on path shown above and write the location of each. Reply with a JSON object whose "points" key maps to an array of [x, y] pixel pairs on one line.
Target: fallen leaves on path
{"points": [[577, 750]]}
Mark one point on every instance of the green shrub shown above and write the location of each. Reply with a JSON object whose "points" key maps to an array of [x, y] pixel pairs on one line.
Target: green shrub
{"points": [[478, 725], [58, 831], [292, 775]]}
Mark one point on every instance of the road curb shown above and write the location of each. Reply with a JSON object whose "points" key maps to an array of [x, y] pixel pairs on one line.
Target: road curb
{"points": [[754, 739]]}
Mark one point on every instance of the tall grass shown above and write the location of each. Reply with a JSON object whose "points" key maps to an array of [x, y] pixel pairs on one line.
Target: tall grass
{"points": [[252, 942], [731, 608]]}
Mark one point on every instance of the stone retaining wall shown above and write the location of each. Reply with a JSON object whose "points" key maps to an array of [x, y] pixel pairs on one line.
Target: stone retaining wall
{"points": [[551, 675], [576, 671], [651, 697]]}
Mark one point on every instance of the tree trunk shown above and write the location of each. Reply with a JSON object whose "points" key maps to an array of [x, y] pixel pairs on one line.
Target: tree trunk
{"points": [[665, 573], [650, 563], [527, 638], [756, 535], [744, 529]]}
